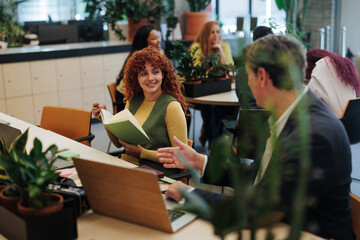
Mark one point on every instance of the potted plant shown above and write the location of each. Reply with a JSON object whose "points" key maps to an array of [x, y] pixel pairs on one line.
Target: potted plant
{"points": [[10, 31], [295, 16], [216, 69], [137, 12], [196, 17], [186, 67], [171, 20], [31, 175]]}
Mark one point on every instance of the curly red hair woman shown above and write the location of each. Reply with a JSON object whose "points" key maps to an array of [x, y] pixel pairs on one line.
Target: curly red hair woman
{"points": [[136, 64], [153, 95]]}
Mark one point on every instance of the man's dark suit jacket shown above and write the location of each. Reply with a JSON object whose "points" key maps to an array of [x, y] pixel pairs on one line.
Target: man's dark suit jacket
{"points": [[329, 172]]}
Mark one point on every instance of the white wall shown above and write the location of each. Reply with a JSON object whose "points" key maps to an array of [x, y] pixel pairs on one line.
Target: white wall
{"points": [[350, 17]]}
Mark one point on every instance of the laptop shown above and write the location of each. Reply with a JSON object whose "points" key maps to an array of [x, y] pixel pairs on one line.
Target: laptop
{"points": [[10, 134], [132, 195]]}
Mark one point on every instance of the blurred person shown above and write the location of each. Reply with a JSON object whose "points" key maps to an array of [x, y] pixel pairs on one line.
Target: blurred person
{"points": [[276, 68], [209, 40], [332, 78]]}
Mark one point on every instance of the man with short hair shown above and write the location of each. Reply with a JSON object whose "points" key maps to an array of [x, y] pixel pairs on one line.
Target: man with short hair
{"points": [[275, 66]]}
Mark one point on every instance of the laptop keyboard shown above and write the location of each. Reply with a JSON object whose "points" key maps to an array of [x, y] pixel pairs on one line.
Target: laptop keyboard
{"points": [[174, 214]]}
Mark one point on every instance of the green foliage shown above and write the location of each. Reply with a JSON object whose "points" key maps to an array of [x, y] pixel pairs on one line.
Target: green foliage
{"points": [[198, 5], [171, 20], [295, 14], [30, 174], [254, 205], [186, 59], [10, 31], [116, 10], [216, 69]]}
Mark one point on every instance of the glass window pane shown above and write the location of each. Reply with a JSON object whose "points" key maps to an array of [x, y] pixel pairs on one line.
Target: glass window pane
{"points": [[229, 10]]}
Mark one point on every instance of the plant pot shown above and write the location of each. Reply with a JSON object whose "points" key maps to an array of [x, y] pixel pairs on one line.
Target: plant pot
{"points": [[9, 202], [133, 27], [220, 78], [34, 212], [2, 186], [192, 82], [194, 22]]}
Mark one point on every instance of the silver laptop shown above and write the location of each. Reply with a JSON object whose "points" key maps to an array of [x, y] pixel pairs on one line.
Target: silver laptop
{"points": [[131, 195]]}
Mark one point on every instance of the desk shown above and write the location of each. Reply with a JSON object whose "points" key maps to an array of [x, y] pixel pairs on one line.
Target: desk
{"points": [[95, 226], [221, 99]]}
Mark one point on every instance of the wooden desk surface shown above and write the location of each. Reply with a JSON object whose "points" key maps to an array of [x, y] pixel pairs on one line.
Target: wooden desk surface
{"points": [[95, 226]]}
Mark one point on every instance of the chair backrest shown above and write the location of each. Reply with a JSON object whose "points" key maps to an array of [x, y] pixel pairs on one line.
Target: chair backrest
{"points": [[355, 214], [351, 120], [69, 122], [112, 91], [190, 143]]}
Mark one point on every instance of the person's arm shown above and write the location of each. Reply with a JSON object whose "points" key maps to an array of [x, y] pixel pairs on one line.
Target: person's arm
{"points": [[175, 125], [227, 52], [168, 157]]}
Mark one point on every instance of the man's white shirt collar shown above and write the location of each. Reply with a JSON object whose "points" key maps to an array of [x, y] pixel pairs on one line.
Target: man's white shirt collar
{"points": [[278, 127]]}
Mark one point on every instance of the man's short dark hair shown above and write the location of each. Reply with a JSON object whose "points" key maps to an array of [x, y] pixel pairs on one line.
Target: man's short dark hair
{"points": [[283, 57], [261, 31]]}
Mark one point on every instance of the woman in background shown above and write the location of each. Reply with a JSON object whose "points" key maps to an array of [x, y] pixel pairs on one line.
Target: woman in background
{"points": [[145, 36], [332, 78], [154, 97], [209, 40]]}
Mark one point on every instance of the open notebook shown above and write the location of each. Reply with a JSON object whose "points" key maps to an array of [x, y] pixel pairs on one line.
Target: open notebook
{"points": [[131, 195]]}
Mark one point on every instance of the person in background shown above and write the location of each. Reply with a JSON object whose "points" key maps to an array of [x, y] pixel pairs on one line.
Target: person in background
{"points": [[332, 78], [154, 97], [276, 68], [243, 92], [209, 40], [145, 36]]}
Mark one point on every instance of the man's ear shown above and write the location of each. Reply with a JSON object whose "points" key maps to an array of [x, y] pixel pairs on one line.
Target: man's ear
{"points": [[263, 76]]}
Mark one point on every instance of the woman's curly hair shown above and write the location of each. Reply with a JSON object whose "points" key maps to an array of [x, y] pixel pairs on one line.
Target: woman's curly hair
{"points": [[136, 64]]}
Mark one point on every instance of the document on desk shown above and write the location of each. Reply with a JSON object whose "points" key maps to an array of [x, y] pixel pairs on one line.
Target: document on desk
{"points": [[124, 126]]}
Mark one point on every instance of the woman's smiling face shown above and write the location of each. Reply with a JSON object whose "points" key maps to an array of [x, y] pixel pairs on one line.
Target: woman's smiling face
{"points": [[150, 80]]}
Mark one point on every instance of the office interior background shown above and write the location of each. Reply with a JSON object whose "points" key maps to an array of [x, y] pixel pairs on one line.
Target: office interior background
{"points": [[320, 14], [332, 15]]}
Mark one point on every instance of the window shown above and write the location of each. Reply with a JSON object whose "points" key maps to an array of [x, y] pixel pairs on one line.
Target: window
{"points": [[266, 12], [56, 10]]}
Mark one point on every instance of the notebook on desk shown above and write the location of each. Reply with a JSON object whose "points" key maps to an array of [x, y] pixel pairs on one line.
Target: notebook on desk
{"points": [[131, 195]]}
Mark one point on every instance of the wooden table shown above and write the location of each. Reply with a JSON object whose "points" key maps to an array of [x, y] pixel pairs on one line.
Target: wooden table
{"points": [[222, 99], [95, 226]]}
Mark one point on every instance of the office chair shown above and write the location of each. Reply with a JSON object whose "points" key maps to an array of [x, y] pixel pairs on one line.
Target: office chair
{"points": [[112, 91], [351, 122], [69, 122], [116, 108], [355, 214]]}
